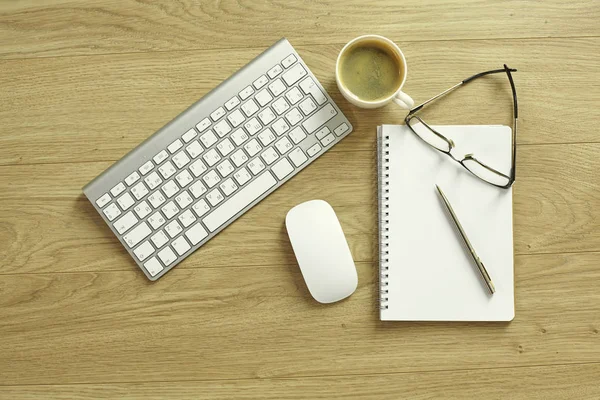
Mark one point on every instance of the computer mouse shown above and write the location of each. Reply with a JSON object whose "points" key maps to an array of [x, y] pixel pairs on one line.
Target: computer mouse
{"points": [[322, 251]]}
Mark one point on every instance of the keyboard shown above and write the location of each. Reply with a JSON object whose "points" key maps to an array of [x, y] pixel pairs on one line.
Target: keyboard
{"points": [[216, 160]]}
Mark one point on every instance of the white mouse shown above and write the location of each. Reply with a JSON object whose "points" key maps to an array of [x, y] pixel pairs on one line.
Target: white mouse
{"points": [[322, 251]]}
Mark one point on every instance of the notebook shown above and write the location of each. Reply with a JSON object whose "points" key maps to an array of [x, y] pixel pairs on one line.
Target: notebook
{"points": [[426, 271]]}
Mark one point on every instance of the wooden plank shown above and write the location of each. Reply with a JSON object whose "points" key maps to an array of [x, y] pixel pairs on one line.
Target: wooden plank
{"points": [[527, 383], [70, 27], [98, 108], [230, 323]]}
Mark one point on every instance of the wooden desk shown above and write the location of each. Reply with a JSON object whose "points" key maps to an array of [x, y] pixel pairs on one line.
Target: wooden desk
{"points": [[84, 82]]}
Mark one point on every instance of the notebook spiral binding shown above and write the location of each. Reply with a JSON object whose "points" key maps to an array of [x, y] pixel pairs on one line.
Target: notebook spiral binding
{"points": [[384, 205]]}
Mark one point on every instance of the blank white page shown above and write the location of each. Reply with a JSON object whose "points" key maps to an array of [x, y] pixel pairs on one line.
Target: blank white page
{"points": [[432, 276]]}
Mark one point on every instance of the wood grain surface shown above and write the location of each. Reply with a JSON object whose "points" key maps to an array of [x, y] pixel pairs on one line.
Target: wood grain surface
{"points": [[83, 82]]}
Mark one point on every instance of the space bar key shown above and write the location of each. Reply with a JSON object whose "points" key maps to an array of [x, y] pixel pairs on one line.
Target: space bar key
{"points": [[239, 201]]}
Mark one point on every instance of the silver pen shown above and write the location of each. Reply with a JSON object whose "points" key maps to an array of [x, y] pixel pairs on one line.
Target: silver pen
{"points": [[480, 266]]}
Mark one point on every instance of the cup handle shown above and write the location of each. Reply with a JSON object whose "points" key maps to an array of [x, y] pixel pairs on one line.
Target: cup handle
{"points": [[404, 100]]}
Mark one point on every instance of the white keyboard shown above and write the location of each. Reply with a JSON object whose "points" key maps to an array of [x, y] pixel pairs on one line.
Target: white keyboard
{"points": [[217, 159]]}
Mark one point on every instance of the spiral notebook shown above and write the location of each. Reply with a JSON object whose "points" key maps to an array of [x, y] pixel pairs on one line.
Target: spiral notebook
{"points": [[426, 272]]}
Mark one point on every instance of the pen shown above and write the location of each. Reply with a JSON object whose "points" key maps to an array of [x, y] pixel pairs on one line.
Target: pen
{"points": [[480, 266]]}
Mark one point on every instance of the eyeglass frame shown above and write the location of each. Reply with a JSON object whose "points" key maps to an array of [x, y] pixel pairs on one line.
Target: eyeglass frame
{"points": [[471, 157]]}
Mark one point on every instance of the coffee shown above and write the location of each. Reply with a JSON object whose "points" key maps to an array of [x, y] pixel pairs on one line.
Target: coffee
{"points": [[371, 70]]}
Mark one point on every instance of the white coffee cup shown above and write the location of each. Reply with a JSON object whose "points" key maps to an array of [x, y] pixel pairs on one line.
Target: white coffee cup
{"points": [[398, 97]]}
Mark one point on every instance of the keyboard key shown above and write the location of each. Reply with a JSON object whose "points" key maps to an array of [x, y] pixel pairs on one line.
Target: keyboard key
{"points": [[297, 135], [228, 186], [153, 266], [211, 178], [139, 190], [195, 234], [133, 178], [249, 108], [247, 92], [282, 168], [277, 87], [294, 116], [197, 168], [225, 147], [156, 199], [159, 239], [217, 114], [144, 250], [273, 72], [260, 82], [327, 140], [294, 95], [142, 209], [201, 208], [194, 149], [147, 167], [280, 105], [167, 170], [170, 210], [263, 97], [242, 176], [283, 145], [187, 218], [298, 157], [112, 212], [239, 158], [183, 199], [170, 188], [202, 125], [103, 200], [156, 220], [225, 168], [280, 126], [181, 159], [309, 86], [181, 245], [176, 145], [266, 137], [319, 118], [252, 147], [153, 180], [222, 128], [184, 178], [307, 106], [160, 157], [288, 61], [211, 157], [294, 74], [125, 201], [239, 137], [137, 234], [232, 103], [239, 201], [173, 229], [167, 256], [252, 126], [214, 197], [118, 189], [236, 118], [314, 149], [321, 133], [208, 139], [197, 189], [123, 224], [266, 116], [256, 165], [189, 135], [269, 155], [340, 130]]}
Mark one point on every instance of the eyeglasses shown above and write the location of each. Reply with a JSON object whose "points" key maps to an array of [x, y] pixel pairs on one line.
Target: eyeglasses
{"points": [[441, 143]]}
